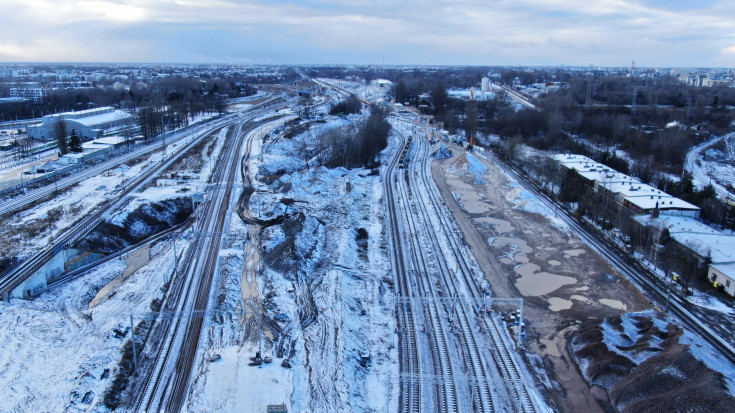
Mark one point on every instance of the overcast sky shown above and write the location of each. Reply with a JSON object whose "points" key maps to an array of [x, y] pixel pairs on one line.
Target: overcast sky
{"points": [[464, 32]]}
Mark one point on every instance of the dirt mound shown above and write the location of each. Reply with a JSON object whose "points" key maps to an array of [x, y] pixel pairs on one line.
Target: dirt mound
{"points": [[639, 360], [145, 221]]}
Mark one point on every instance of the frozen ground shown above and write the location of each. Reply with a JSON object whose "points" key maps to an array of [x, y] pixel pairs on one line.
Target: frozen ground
{"points": [[372, 92], [73, 343], [328, 289], [27, 231], [55, 350]]}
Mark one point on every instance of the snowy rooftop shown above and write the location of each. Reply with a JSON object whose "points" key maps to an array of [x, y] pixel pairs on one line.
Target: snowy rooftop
{"points": [[90, 117], [103, 118], [636, 192], [110, 140], [664, 201], [725, 268], [696, 235]]}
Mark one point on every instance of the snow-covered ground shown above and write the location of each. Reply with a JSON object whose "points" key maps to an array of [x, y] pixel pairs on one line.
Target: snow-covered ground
{"points": [[620, 342], [56, 349], [331, 294], [372, 92]]}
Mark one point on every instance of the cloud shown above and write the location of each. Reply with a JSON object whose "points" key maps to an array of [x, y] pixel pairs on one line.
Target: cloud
{"points": [[604, 32]]}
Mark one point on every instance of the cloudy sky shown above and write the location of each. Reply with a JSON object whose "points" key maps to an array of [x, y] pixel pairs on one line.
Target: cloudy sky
{"points": [[471, 32]]}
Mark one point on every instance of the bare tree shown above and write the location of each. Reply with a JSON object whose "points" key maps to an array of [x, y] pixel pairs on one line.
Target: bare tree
{"points": [[470, 122], [60, 135]]}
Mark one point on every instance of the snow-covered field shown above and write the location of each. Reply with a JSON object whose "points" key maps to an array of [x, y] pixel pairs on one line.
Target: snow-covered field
{"points": [[372, 92], [330, 293], [55, 350]]}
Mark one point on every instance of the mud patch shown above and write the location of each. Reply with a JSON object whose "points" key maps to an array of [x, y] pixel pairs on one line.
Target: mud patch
{"points": [[642, 363]]}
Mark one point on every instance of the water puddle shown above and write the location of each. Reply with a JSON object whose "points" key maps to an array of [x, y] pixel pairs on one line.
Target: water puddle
{"points": [[559, 304], [581, 298], [532, 283], [518, 248], [134, 260], [613, 303], [471, 201], [574, 253], [499, 226], [551, 347]]}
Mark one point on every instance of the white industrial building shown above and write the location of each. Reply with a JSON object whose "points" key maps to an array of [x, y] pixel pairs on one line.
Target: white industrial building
{"points": [[630, 192], [88, 124], [704, 241], [485, 85], [94, 149]]}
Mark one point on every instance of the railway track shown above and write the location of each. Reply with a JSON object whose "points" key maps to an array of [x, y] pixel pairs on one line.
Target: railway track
{"points": [[500, 342], [79, 229], [167, 386], [411, 395], [638, 275], [455, 312], [463, 291]]}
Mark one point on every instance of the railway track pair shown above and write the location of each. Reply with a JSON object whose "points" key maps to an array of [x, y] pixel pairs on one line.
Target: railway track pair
{"points": [[434, 244], [167, 385]]}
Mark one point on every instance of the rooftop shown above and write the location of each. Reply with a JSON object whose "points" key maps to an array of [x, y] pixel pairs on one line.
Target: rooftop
{"points": [[699, 237]]}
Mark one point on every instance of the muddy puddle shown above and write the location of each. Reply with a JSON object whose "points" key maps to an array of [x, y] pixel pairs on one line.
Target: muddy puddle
{"points": [[518, 249], [134, 260], [533, 283], [559, 304], [551, 346], [617, 304], [574, 252], [499, 226], [471, 201]]}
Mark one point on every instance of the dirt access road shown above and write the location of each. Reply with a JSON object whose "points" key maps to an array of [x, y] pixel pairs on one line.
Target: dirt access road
{"points": [[522, 254]]}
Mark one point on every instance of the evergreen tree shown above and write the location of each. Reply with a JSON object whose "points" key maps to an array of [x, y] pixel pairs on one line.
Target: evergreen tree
{"points": [[75, 142]]}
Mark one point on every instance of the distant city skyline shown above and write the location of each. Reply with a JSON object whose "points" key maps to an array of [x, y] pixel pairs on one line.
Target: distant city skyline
{"points": [[654, 33]]}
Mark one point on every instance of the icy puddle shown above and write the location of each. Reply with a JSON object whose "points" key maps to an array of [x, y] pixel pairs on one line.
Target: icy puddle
{"points": [[519, 249], [470, 200], [134, 260], [558, 304], [619, 305], [533, 283], [499, 226]]}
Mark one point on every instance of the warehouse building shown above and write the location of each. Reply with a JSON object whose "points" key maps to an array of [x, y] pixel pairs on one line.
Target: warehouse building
{"points": [[89, 124], [628, 191]]}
